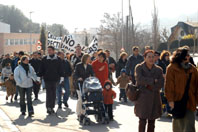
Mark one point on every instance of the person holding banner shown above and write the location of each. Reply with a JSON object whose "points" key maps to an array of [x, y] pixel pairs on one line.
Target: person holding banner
{"points": [[53, 73], [100, 68]]}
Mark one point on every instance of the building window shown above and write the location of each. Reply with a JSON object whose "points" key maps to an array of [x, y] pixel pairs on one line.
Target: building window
{"points": [[25, 41], [7, 42], [16, 41], [11, 41], [21, 41]]}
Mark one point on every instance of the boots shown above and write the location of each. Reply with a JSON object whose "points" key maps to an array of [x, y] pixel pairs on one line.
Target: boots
{"points": [[150, 126]]}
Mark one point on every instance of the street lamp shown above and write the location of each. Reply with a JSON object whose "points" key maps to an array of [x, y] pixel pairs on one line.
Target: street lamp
{"points": [[30, 32]]}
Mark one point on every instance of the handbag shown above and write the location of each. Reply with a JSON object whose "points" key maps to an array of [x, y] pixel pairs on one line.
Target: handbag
{"points": [[132, 92], [180, 107]]}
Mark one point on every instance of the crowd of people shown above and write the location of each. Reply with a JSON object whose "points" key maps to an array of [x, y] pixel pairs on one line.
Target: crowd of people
{"points": [[162, 79]]}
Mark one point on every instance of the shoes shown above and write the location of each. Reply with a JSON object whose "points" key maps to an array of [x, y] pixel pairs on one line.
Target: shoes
{"points": [[119, 98], [49, 111], [59, 106], [35, 99], [23, 113], [11, 100], [15, 98], [31, 114], [66, 105], [6, 97]]}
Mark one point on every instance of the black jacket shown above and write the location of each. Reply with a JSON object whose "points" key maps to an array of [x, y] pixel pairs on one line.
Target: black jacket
{"points": [[81, 72], [51, 69], [162, 65], [120, 64], [132, 62], [67, 68], [36, 64]]}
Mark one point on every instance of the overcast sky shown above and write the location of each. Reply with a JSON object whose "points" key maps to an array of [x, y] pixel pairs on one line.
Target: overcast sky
{"points": [[88, 13]]}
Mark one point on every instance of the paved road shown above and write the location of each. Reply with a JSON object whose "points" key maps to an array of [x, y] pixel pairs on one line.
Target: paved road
{"points": [[125, 120]]}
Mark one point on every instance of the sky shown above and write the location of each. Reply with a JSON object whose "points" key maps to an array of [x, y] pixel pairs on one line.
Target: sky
{"points": [[80, 14]]}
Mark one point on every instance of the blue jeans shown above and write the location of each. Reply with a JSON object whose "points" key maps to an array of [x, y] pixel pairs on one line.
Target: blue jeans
{"points": [[66, 94], [28, 93]]}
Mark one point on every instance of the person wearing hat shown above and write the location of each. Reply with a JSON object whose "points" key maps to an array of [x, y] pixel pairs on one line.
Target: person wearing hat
{"points": [[123, 80], [108, 95]]}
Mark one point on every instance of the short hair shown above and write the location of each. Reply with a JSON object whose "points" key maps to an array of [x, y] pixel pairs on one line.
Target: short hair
{"points": [[179, 55], [84, 58], [21, 53], [103, 55], [51, 47], [148, 51], [59, 53], [107, 51], [135, 48]]}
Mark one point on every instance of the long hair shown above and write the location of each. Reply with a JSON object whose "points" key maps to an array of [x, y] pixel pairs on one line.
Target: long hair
{"points": [[179, 55], [84, 58], [164, 54]]}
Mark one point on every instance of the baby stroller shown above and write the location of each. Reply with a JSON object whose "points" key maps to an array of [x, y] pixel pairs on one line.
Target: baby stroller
{"points": [[92, 101]]}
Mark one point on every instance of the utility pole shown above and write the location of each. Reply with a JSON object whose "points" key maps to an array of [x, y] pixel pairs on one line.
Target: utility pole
{"points": [[122, 27], [127, 34], [31, 32], [131, 23]]}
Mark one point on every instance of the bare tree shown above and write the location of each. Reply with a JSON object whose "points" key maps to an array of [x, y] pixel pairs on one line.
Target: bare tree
{"points": [[155, 28]]}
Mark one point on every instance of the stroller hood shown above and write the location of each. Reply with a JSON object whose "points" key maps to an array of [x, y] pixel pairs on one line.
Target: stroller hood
{"points": [[91, 84]]}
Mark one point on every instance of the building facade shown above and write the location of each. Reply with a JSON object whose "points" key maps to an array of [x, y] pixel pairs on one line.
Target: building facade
{"points": [[15, 42]]}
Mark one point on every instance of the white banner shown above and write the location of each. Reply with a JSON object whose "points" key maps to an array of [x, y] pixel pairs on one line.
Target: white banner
{"points": [[68, 44]]}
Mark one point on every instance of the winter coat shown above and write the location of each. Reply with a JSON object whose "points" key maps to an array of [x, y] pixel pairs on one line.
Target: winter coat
{"points": [[148, 104], [119, 66], [67, 68], [22, 79], [123, 81], [10, 86], [108, 95], [81, 72], [132, 62], [162, 65], [101, 75], [36, 64], [51, 69], [176, 79], [6, 72]]}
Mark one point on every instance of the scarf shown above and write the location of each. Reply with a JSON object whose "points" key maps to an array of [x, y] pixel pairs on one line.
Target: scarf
{"points": [[26, 67]]}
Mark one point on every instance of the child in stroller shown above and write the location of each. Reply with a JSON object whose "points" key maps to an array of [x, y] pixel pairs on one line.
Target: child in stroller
{"points": [[92, 101]]}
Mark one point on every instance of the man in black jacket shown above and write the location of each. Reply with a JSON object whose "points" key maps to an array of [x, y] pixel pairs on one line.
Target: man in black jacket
{"points": [[53, 73], [67, 73], [133, 60], [36, 64]]}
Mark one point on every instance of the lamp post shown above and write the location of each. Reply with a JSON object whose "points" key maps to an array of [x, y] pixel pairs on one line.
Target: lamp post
{"points": [[30, 32]]}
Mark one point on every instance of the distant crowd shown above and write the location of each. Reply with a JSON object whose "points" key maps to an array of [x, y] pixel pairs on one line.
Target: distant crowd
{"points": [[164, 80]]}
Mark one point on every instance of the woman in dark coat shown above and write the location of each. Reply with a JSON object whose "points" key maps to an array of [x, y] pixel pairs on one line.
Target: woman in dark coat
{"points": [[150, 80], [82, 71], [121, 63]]}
